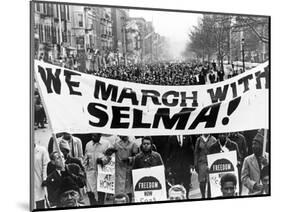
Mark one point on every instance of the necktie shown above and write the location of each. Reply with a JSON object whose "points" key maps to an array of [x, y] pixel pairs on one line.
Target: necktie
{"points": [[180, 140]]}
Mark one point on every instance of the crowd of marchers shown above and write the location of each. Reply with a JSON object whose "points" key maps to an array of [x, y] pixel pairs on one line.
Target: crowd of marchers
{"points": [[67, 176], [158, 73]]}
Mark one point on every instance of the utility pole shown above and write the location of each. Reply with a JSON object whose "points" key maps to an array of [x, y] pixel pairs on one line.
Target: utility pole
{"points": [[230, 37], [243, 53], [60, 30]]}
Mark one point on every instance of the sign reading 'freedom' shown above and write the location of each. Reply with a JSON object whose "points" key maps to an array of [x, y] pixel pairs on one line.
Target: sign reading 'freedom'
{"points": [[82, 103]]}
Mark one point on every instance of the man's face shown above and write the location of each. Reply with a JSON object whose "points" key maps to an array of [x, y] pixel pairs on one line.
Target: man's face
{"points": [[222, 136], [257, 147], [124, 138], [176, 195], [96, 137], [146, 145], [206, 135], [265, 183], [66, 136], [69, 198], [65, 152], [59, 161], [228, 189]]}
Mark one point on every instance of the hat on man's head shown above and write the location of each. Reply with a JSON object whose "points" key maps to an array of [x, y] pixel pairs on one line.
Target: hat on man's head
{"points": [[68, 184], [259, 138], [64, 145]]}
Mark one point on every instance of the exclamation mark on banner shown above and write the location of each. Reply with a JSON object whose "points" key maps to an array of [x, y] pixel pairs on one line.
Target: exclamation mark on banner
{"points": [[233, 104]]}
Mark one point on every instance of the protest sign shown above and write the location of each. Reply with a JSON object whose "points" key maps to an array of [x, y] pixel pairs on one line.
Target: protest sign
{"points": [[83, 103], [149, 184], [106, 177], [220, 164]]}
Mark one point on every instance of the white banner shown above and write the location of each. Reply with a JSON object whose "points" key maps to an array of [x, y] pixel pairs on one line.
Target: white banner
{"points": [[83, 103], [106, 177], [149, 184], [220, 164]]}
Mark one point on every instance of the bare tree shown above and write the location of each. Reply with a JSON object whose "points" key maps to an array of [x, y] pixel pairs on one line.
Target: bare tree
{"points": [[258, 25]]}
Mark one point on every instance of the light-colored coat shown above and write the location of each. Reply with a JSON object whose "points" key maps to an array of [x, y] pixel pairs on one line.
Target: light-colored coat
{"points": [[250, 173], [123, 171], [41, 159], [93, 151]]}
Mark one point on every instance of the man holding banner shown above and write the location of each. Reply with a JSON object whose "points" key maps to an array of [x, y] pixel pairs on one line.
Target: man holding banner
{"points": [[253, 164], [224, 144]]}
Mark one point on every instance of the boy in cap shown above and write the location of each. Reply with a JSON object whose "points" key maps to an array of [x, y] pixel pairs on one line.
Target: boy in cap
{"points": [[251, 170]]}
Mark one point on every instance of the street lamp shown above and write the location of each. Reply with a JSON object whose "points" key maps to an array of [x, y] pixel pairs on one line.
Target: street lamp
{"points": [[243, 53], [117, 54]]}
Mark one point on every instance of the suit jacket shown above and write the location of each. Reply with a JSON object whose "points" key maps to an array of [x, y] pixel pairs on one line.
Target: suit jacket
{"points": [[250, 173], [202, 150], [147, 160], [54, 180], [230, 145], [240, 140], [179, 157]]}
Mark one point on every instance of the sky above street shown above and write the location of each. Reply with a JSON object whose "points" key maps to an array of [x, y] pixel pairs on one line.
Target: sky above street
{"points": [[173, 25]]}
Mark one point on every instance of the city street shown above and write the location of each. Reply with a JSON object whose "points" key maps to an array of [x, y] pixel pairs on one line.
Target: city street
{"points": [[126, 72]]}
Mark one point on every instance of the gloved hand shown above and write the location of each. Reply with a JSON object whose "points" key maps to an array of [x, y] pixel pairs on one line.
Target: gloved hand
{"points": [[99, 161], [258, 187], [126, 160], [110, 151]]}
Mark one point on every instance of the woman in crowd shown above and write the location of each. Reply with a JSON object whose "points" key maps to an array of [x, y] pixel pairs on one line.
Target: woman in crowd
{"points": [[202, 147]]}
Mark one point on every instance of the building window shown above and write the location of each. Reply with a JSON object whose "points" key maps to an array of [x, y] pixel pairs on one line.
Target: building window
{"points": [[45, 34], [45, 8], [62, 11], [40, 33], [49, 9], [58, 36], [54, 34], [67, 8], [80, 20], [57, 11], [37, 7]]}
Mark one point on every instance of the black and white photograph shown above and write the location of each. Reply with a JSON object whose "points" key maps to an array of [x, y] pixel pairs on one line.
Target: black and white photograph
{"points": [[133, 106]]}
